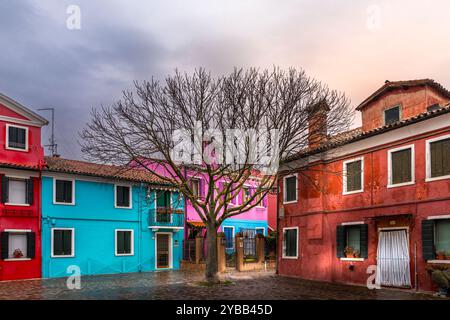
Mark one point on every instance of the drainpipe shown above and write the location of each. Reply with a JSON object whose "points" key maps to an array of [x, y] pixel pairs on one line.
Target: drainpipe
{"points": [[277, 234]]}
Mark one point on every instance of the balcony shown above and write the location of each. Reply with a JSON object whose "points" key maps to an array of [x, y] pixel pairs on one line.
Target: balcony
{"points": [[166, 218]]}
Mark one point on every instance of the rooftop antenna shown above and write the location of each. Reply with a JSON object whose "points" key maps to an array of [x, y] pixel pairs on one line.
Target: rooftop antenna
{"points": [[53, 147]]}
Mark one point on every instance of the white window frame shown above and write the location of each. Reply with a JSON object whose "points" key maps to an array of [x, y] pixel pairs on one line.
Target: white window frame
{"points": [[284, 246], [26, 138], [130, 193], [428, 158], [413, 176], [400, 112], [344, 176], [52, 243], [18, 231], [132, 243], [263, 229], [73, 192], [285, 190], [18, 178]]}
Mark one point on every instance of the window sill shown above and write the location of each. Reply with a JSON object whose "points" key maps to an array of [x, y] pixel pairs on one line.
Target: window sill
{"points": [[289, 258], [64, 203], [124, 254], [17, 204], [118, 207], [57, 257], [345, 193], [352, 259], [16, 149], [389, 186], [17, 259], [437, 178], [439, 261], [290, 202]]}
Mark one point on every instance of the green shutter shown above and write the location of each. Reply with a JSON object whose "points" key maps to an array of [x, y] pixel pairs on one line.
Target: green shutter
{"points": [[401, 166], [120, 242], [5, 189], [440, 158], [364, 241], [353, 172], [340, 241], [30, 188], [428, 252], [4, 246], [31, 245]]}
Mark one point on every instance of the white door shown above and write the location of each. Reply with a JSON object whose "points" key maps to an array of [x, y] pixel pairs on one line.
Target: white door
{"points": [[393, 262]]}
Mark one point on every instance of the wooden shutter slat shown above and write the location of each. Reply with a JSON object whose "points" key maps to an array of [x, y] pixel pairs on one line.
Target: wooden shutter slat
{"points": [[5, 189], [4, 246], [31, 245], [340, 241], [428, 252], [30, 192], [364, 241]]}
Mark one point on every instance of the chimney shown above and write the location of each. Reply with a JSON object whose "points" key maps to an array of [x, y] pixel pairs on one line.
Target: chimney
{"points": [[317, 125]]}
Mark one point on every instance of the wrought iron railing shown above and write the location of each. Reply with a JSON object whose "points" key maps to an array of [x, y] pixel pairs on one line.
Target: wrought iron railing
{"points": [[166, 217]]}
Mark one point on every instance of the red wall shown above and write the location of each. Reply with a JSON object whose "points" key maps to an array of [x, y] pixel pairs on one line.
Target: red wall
{"points": [[322, 207]]}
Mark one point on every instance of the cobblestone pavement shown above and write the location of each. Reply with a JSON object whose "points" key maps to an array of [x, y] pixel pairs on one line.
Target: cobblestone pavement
{"points": [[187, 285]]}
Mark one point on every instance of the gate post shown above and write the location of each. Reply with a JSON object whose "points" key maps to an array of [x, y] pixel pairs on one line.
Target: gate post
{"points": [[198, 249], [239, 252], [221, 258], [260, 248]]}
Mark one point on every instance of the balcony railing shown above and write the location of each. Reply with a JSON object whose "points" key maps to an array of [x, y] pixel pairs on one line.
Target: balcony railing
{"points": [[166, 218]]}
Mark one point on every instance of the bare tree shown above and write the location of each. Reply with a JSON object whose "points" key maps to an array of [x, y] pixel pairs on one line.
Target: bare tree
{"points": [[140, 129]]}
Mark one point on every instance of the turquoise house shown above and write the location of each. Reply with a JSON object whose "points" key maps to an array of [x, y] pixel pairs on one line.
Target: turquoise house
{"points": [[107, 221]]}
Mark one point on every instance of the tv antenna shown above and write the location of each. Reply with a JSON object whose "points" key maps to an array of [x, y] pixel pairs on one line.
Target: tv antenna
{"points": [[53, 147]]}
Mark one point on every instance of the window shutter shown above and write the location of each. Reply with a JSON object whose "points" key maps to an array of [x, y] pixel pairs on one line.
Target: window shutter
{"points": [[201, 186], [4, 245], [31, 244], [30, 188], [127, 242], [428, 240], [120, 242], [364, 241], [67, 242], [5, 191], [446, 157], [340, 241]]}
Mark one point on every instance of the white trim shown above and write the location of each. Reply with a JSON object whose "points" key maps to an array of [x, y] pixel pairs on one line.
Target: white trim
{"points": [[18, 259], [356, 223], [428, 177], [296, 188], [439, 261], [23, 179], [232, 227], [17, 204], [7, 147], [283, 244], [18, 230], [170, 250], [438, 217], [32, 117], [165, 227], [344, 176], [51, 243], [263, 229], [413, 177], [132, 243], [73, 192], [130, 195], [352, 259]]}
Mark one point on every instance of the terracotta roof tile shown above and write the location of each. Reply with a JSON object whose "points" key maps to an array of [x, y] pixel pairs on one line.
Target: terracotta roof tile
{"points": [[392, 85], [57, 164]]}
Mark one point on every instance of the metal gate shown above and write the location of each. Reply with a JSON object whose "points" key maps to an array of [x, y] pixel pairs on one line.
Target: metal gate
{"points": [[230, 252], [249, 249]]}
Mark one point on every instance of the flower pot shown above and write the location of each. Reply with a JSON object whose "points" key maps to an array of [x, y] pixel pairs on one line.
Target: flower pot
{"points": [[349, 255], [441, 257]]}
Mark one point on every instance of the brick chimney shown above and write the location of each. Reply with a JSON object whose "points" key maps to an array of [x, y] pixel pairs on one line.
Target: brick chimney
{"points": [[317, 125]]}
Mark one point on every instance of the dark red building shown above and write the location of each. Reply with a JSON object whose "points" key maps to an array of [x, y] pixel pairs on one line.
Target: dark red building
{"points": [[376, 196], [21, 158]]}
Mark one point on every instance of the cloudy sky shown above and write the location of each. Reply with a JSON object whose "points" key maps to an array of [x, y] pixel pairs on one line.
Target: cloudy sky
{"points": [[353, 46]]}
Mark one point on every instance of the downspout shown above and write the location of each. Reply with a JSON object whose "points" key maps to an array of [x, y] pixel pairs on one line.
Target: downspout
{"points": [[140, 229], [278, 227]]}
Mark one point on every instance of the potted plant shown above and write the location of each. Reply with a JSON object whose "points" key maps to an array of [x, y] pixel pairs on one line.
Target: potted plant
{"points": [[357, 254], [349, 252], [448, 255], [440, 255], [18, 254]]}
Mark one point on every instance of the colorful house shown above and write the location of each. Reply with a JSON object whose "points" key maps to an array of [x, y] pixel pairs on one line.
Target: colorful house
{"points": [[382, 194], [21, 158], [104, 219]]}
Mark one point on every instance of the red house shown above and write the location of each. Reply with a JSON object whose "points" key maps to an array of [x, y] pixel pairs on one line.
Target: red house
{"points": [[21, 158], [374, 198]]}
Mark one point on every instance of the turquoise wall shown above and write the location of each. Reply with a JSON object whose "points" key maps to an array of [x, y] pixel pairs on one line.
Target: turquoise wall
{"points": [[95, 220], [244, 224]]}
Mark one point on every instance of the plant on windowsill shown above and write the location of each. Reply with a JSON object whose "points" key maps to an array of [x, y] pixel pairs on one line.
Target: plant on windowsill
{"points": [[440, 255], [357, 254], [448, 255], [18, 254], [349, 252]]}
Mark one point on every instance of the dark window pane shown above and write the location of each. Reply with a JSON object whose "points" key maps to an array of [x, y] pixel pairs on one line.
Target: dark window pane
{"points": [[123, 196], [290, 242], [392, 115], [354, 175], [440, 158], [354, 237], [62, 242], [63, 191], [124, 242], [17, 138], [401, 166], [291, 189]]}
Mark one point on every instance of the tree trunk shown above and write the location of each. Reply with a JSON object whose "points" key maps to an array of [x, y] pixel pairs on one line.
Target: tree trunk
{"points": [[212, 267]]}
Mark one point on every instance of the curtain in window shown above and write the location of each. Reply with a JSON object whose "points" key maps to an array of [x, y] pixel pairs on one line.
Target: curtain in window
{"points": [[393, 259], [17, 191]]}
